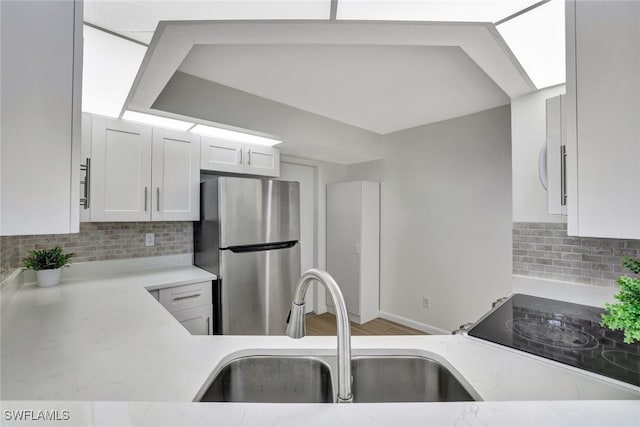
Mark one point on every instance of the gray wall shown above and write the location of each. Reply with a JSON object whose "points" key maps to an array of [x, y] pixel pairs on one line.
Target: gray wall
{"points": [[305, 134], [446, 218]]}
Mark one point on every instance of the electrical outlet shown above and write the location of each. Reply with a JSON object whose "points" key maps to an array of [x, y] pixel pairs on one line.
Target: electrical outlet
{"points": [[149, 239], [426, 302]]}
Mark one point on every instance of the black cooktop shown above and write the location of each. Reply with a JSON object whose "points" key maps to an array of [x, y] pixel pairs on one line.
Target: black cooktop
{"points": [[561, 331]]}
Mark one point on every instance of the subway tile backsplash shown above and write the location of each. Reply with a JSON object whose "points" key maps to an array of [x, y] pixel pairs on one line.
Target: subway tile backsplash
{"points": [[544, 250], [100, 241]]}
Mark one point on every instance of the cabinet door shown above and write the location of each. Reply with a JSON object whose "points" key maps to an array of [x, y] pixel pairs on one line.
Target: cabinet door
{"points": [[41, 82], [344, 222], [261, 160], [85, 153], [220, 155], [175, 176], [196, 320], [121, 176], [603, 86], [555, 157]]}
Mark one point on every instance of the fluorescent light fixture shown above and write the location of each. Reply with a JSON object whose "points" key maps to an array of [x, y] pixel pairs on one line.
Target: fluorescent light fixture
{"points": [[110, 65], [233, 135], [431, 10], [536, 38], [156, 120]]}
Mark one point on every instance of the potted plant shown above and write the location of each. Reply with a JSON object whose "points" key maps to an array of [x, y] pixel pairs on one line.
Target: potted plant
{"points": [[625, 315], [47, 263]]}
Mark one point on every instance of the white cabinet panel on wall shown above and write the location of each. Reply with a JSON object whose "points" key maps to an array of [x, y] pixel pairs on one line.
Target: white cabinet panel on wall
{"points": [[353, 245], [41, 86], [603, 118], [229, 156], [175, 176], [121, 175], [196, 320]]}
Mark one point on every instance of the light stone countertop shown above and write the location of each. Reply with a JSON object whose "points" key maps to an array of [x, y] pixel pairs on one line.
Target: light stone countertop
{"points": [[86, 343]]}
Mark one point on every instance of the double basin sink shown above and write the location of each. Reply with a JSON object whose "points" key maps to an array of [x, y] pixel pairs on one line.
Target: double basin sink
{"points": [[311, 379]]}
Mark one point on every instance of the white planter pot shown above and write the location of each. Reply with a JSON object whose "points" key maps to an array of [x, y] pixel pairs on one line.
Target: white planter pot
{"points": [[48, 277]]}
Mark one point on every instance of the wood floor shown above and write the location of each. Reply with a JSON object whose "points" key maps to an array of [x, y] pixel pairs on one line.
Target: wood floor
{"points": [[325, 324]]}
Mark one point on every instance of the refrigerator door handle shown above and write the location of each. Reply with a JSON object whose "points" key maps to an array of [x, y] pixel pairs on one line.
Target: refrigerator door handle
{"points": [[262, 247]]}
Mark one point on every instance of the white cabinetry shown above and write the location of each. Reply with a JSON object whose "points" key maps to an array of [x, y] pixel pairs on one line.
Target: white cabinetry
{"points": [[191, 305], [353, 245], [603, 118], [142, 174], [556, 157], [229, 156], [41, 83]]}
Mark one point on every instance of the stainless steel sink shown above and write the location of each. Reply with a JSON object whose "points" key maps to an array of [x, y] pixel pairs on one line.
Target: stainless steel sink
{"points": [[308, 379], [269, 379], [404, 379]]}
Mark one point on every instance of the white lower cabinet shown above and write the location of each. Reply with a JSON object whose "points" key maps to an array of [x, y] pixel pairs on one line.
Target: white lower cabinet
{"points": [[220, 155], [142, 174], [191, 305], [196, 320]]}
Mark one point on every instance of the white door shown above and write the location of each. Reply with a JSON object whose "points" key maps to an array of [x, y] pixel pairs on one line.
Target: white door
{"points": [[121, 175], [220, 155], [175, 176], [261, 160], [305, 175]]}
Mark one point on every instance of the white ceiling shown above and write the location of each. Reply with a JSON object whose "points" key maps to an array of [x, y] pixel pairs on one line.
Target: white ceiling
{"points": [[378, 88]]}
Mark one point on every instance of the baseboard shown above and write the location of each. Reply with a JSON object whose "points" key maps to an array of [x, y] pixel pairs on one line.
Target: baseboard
{"points": [[413, 324]]}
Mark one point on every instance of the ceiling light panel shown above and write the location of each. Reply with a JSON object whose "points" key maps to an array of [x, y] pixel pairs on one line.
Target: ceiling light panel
{"points": [[138, 19], [158, 121], [537, 39], [110, 65], [430, 10], [233, 135]]}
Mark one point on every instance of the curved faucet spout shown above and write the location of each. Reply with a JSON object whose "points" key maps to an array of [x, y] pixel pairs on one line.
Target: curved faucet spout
{"points": [[297, 329]]}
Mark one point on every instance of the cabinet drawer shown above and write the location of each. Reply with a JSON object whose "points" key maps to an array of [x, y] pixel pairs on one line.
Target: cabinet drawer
{"points": [[186, 296]]}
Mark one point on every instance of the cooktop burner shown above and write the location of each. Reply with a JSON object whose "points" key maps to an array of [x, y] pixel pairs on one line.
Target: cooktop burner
{"points": [[561, 331], [552, 332]]}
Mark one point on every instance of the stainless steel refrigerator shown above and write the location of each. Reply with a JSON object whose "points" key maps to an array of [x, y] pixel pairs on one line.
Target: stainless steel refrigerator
{"points": [[248, 235]]}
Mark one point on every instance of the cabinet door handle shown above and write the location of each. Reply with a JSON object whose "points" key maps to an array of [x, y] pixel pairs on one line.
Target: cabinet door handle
{"points": [[85, 201], [249, 158], [563, 175], [208, 326], [158, 198], [146, 190], [240, 156], [186, 296]]}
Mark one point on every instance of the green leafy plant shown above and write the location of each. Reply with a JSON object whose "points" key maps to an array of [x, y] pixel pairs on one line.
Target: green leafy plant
{"points": [[47, 259], [625, 315]]}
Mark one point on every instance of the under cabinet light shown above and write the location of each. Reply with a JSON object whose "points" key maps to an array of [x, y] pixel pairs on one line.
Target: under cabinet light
{"points": [[233, 135], [156, 120]]}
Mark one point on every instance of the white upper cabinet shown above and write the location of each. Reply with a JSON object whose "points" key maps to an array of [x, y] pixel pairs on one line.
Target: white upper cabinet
{"points": [[229, 156], [41, 86], [603, 118], [175, 176], [556, 157], [143, 174], [121, 175]]}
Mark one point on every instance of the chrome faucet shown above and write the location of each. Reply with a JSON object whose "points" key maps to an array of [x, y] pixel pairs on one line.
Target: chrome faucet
{"points": [[297, 326]]}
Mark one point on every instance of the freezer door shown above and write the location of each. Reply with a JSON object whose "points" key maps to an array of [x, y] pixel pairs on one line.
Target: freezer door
{"points": [[256, 211], [257, 290]]}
